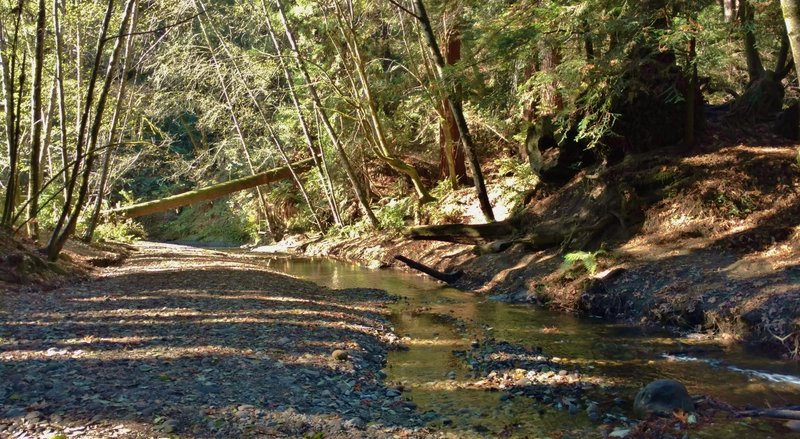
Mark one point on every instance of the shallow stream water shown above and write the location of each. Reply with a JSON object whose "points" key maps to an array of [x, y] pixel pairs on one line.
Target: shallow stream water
{"points": [[623, 356]]}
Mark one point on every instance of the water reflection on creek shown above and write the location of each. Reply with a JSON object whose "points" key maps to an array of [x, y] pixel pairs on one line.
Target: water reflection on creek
{"points": [[621, 355]]}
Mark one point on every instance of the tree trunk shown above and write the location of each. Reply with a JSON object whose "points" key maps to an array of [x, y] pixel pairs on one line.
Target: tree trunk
{"points": [[272, 227], [458, 113], [451, 153], [330, 194], [791, 15], [34, 179], [8, 70], [268, 123], [436, 274], [361, 195], [730, 10], [112, 131], [62, 233], [211, 192], [384, 151], [755, 69]]}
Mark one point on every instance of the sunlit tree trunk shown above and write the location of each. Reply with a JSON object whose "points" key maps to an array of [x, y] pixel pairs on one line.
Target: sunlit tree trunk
{"points": [[112, 130], [455, 107], [451, 153], [327, 185], [62, 107], [361, 195], [34, 179], [272, 227], [273, 135], [8, 58], [62, 232], [383, 150]]}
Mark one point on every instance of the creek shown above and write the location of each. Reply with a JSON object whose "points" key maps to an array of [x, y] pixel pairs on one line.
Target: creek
{"points": [[624, 357]]}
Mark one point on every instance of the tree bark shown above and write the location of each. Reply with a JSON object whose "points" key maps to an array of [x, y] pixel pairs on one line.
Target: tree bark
{"points": [[451, 152], [112, 131], [7, 68], [361, 195], [455, 106], [63, 232], [791, 15], [34, 179], [211, 192], [436, 274], [324, 177]]}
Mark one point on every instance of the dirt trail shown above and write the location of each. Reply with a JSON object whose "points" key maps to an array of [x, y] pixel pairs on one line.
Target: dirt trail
{"points": [[196, 343]]}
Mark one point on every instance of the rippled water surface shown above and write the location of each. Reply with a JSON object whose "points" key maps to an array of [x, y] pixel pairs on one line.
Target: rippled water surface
{"points": [[621, 355]]}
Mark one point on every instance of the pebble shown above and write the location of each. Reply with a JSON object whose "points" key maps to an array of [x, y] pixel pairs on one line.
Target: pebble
{"points": [[451, 374], [340, 355], [619, 432]]}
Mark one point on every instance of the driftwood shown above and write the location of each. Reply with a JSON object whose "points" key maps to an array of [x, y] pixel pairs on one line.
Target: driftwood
{"points": [[790, 412], [444, 277], [211, 192]]}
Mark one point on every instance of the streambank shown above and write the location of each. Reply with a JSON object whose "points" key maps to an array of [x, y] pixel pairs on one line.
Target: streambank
{"points": [[707, 243], [712, 291]]}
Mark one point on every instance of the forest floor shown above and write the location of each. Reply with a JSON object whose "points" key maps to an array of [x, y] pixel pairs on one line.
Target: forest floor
{"points": [[715, 248], [190, 342]]}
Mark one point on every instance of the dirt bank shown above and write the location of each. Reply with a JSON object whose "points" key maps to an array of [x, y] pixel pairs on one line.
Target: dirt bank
{"points": [[707, 241], [196, 343]]}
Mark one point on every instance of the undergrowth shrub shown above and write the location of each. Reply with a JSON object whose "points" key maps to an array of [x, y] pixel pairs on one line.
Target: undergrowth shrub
{"points": [[581, 260], [127, 230]]}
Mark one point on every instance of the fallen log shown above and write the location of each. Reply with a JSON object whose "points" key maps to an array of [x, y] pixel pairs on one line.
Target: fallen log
{"points": [[444, 277], [790, 413], [211, 192], [463, 233]]}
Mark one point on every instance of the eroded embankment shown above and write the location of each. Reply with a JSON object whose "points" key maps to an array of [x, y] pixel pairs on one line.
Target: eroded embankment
{"points": [[704, 242]]}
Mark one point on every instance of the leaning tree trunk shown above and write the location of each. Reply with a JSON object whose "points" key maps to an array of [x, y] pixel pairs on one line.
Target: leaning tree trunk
{"points": [[324, 177], [458, 113], [112, 131], [61, 234], [272, 227], [334, 138], [211, 192], [383, 149]]}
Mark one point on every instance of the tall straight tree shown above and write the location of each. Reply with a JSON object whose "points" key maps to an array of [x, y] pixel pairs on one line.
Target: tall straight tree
{"points": [[791, 15], [34, 178], [8, 60], [112, 130], [454, 102]]}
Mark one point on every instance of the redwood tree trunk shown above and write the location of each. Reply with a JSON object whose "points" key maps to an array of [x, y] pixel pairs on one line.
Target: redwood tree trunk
{"points": [[451, 153]]}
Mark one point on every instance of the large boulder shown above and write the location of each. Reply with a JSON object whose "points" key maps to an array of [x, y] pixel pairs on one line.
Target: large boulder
{"points": [[662, 397]]}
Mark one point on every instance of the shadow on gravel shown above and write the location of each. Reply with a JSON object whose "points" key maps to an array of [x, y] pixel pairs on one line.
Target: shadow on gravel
{"points": [[205, 351]]}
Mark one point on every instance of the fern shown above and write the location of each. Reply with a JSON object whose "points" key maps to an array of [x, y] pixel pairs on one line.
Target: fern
{"points": [[588, 260]]}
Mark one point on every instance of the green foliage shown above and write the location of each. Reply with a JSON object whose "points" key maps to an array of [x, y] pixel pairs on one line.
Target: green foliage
{"points": [[394, 213], [226, 220], [582, 259], [121, 231]]}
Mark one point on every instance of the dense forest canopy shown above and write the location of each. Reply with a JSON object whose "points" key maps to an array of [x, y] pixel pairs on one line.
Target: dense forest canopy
{"points": [[396, 102]]}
